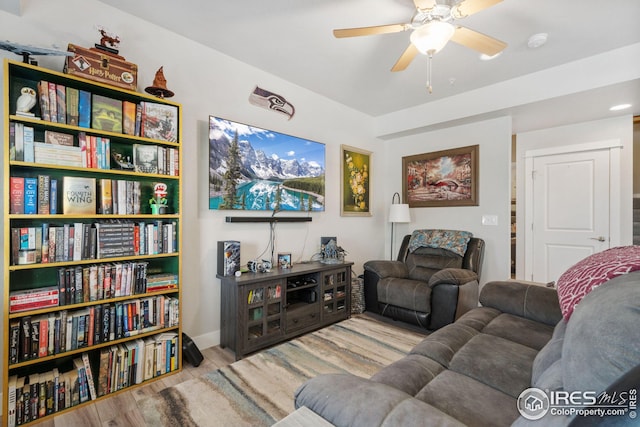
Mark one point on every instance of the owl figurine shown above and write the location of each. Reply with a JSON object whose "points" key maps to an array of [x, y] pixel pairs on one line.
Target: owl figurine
{"points": [[26, 101]]}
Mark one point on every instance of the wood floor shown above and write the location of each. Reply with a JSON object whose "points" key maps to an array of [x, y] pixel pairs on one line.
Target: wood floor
{"points": [[121, 410]]}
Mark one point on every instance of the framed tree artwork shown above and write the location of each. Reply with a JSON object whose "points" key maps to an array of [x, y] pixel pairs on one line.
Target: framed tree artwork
{"points": [[355, 170], [441, 178]]}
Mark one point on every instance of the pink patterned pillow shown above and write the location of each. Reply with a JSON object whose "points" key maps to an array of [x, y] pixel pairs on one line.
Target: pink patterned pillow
{"points": [[592, 271]]}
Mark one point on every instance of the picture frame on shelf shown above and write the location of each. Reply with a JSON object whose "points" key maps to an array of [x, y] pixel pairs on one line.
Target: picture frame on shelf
{"points": [[441, 178], [284, 260], [355, 171]]}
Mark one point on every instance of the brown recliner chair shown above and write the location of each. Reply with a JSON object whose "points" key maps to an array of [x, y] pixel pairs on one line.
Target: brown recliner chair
{"points": [[427, 286]]}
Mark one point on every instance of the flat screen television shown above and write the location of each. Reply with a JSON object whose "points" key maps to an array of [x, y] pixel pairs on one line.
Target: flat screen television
{"points": [[251, 168]]}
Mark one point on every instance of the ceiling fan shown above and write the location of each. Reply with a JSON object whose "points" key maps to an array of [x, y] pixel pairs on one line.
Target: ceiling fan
{"points": [[432, 26]]}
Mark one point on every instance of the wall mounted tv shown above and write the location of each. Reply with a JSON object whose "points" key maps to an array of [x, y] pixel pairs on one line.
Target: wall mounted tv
{"points": [[251, 168]]}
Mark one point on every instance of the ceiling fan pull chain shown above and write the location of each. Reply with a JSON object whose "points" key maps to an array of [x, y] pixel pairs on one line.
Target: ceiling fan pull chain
{"points": [[429, 59]]}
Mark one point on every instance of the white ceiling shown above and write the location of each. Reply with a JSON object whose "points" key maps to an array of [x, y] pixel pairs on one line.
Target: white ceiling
{"points": [[293, 39]]}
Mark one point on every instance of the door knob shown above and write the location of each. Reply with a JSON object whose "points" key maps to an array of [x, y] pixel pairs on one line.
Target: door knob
{"points": [[599, 238]]}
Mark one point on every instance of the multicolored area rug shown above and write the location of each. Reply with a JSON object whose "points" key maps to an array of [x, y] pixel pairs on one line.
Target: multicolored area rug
{"points": [[258, 390]]}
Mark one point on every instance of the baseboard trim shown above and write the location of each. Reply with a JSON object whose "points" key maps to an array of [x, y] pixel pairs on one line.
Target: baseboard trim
{"points": [[210, 339]]}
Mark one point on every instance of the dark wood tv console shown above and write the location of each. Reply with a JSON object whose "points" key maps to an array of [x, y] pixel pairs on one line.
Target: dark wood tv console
{"points": [[262, 309]]}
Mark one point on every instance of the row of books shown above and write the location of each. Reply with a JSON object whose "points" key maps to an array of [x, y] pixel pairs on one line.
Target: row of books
{"points": [[33, 195], [91, 151], [156, 159], [79, 195], [119, 366], [77, 285], [83, 241], [39, 195], [63, 104], [33, 337], [257, 295], [40, 394]]}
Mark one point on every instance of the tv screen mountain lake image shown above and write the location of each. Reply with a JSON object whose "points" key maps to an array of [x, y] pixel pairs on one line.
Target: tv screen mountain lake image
{"points": [[251, 168]]}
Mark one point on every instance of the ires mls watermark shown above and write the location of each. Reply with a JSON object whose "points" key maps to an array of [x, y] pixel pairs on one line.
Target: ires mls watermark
{"points": [[535, 403]]}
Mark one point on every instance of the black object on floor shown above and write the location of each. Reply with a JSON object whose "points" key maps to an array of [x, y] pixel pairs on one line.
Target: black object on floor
{"points": [[190, 351]]}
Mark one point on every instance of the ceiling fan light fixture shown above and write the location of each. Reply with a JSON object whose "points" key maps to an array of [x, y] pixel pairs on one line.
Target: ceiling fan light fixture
{"points": [[431, 37], [485, 57], [620, 107]]}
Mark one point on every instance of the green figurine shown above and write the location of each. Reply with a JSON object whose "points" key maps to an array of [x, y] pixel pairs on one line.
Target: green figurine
{"points": [[159, 201]]}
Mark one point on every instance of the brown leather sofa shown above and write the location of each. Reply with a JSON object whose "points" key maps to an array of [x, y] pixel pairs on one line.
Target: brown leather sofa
{"points": [[429, 287]]}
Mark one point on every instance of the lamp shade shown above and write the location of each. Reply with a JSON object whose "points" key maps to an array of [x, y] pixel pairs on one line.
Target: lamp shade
{"points": [[399, 213], [431, 37]]}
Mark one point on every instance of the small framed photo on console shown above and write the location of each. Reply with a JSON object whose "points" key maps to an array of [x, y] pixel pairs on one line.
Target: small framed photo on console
{"points": [[284, 260]]}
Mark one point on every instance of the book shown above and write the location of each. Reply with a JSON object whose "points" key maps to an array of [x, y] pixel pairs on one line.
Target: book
{"points": [[159, 121], [12, 400], [106, 201], [72, 99], [19, 140], [58, 138], [103, 372], [106, 113], [128, 118], [30, 195], [43, 97], [78, 195], [45, 243], [53, 102], [61, 103], [32, 299], [44, 199], [138, 125], [84, 109], [16, 195], [89, 374], [14, 340], [82, 143], [83, 388], [12, 141], [25, 338], [53, 197], [145, 158], [61, 155], [28, 140]]}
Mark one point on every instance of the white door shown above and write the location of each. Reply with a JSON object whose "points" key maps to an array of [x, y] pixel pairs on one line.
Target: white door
{"points": [[571, 210]]}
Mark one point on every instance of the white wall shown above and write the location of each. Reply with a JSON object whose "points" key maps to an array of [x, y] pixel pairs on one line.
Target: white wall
{"points": [[494, 138], [619, 128]]}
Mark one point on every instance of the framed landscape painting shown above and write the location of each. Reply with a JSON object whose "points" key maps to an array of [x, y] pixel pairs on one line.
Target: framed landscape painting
{"points": [[354, 189], [441, 178], [251, 168]]}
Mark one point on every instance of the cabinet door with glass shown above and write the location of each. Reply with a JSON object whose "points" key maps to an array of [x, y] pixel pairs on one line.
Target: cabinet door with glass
{"points": [[264, 313], [335, 293]]}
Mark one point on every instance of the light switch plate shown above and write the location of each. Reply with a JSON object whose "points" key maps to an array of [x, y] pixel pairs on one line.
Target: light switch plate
{"points": [[489, 219]]}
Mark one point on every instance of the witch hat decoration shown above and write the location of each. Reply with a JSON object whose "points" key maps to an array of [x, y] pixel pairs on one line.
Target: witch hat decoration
{"points": [[159, 86]]}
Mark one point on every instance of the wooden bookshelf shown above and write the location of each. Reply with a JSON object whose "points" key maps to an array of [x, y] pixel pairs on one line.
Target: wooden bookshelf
{"points": [[121, 314]]}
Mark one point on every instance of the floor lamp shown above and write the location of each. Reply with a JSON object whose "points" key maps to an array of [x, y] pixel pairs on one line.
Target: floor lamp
{"points": [[398, 213]]}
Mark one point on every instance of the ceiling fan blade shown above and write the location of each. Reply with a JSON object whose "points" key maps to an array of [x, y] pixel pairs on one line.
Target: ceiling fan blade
{"points": [[406, 58], [424, 4], [367, 31], [478, 41], [469, 7]]}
